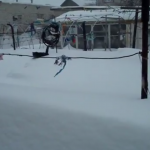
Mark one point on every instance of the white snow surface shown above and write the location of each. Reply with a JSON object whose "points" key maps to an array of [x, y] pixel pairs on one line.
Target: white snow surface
{"points": [[90, 105]]}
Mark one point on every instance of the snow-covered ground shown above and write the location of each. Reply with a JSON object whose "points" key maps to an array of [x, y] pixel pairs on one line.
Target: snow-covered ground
{"points": [[90, 105]]}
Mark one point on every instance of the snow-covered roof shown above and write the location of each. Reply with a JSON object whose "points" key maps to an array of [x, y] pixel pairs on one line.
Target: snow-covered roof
{"points": [[97, 15], [43, 2], [84, 7]]}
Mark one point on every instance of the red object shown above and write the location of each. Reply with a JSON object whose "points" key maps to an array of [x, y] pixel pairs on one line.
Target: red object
{"points": [[1, 57], [74, 40]]}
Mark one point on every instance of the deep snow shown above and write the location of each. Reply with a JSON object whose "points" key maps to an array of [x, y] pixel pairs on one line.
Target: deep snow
{"points": [[92, 104]]}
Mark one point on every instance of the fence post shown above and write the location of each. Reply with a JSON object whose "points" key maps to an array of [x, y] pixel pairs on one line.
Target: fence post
{"points": [[84, 36], [109, 37], [12, 30], [135, 29]]}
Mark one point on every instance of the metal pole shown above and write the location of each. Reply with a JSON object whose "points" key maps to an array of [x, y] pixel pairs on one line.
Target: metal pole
{"points": [[84, 36], [145, 20], [59, 31], [12, 30], [135, 28], [76, 37], [56, 49], [92, 40], [18, 39], [47, 50], [119, 32], [109, 36]]}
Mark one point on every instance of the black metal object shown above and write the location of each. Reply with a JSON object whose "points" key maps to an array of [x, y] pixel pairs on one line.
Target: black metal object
{"points": [[53, 31], [135, 28], [84, 36], [41, 54], [13, 38], [145, 20]]}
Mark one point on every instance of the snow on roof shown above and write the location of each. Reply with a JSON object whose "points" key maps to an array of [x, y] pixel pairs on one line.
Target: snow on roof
{"points": [[97, 15], [85, 7]]}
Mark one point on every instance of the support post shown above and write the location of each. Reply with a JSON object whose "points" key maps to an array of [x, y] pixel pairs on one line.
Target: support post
{"points": [[92, 40], [47, 50], [145, 20], [18, 42], [119, 32], [109, 37], [135, 28], [59, 30], [106, 42], [56, 49], [76, 37], [12, 30], [84, 36]]}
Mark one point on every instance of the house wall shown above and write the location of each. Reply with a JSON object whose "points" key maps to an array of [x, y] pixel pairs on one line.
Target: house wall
{"points": [[27, 13], [118, 2], [108, 2]]}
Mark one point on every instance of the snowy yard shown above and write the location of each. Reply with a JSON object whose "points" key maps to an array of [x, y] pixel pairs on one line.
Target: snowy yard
{"points": [[90, 105]]}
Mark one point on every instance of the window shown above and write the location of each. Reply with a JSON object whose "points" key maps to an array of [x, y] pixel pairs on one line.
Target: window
{"points": [[72, 30], [41, 16], [19, 17], [14, 18]]}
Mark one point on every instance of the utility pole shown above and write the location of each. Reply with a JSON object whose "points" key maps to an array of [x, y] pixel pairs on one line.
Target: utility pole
{"points": [[145, 20], [144, 54]]}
